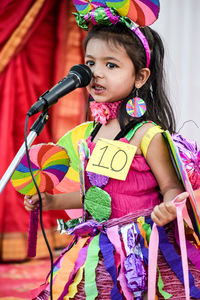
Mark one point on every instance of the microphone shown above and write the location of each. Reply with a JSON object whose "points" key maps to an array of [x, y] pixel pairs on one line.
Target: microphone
{"points": [[79, 76]]}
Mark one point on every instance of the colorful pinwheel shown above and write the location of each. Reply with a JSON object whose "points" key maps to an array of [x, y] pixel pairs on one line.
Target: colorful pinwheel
{"points": [[49, 163]]}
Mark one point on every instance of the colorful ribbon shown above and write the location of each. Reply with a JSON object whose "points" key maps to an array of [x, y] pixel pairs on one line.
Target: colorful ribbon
{"points": [[67, 265], [145, 231], [178, 265], [71, 287], [153, 257], [113, 235], [91, 263], [192, 252], [179, 209], [109, 263]]}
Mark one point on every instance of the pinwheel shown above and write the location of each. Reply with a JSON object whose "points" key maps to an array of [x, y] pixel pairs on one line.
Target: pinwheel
{"points": [[49, 163]]}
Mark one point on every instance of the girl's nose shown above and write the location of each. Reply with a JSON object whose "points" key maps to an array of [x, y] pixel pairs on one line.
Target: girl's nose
{"points": [[97, 72]]}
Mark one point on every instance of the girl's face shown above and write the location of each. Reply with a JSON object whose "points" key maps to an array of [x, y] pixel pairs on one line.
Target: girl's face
{"points": [[113, 71]]}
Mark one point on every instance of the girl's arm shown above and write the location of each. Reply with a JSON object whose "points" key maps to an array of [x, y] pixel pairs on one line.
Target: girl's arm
{"points": [[54, 202], [160, 163]]}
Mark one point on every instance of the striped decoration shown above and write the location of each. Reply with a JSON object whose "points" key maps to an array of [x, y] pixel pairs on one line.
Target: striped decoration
{"points": [[49, 163], [136, 107], [141, 12]]}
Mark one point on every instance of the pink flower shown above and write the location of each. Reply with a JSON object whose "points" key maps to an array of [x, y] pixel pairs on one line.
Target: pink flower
{"points": [[100, 112]]}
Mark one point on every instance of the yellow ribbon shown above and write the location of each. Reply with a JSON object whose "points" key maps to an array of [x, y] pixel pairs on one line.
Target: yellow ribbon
{"points": [[67, 266], [73, 287]]}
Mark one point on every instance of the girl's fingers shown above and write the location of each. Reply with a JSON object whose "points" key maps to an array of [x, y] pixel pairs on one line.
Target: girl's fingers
{"points": [[182, 197], [157, 215], [30, 203], [165, 209], [155, 219], [29, 207], [170, 208], [33, 199], [164, 213]]}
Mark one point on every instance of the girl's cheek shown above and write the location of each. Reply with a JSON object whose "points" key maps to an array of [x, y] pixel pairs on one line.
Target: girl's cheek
{"points": [[89, 88]]}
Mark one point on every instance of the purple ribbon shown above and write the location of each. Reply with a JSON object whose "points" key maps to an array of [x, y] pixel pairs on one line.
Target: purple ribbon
{"points": [[192, 251], [113, 19], [79, 262], [107, 250]]}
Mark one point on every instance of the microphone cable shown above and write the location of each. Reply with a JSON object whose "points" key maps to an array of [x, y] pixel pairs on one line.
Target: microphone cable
{"points": [[40, 208]]}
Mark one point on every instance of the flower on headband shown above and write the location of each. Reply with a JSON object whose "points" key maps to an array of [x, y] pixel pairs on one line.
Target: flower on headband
{"points": [[141, 12]]}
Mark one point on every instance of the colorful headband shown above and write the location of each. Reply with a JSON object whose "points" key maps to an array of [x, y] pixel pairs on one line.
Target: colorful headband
{"points": [[133, 14]]}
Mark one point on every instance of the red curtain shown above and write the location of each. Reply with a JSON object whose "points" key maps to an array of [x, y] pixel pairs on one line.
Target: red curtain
{"points": [[36, 51]]}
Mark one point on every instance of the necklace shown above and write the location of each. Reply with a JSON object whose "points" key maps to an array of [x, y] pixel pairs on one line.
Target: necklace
{"points": [[102, 112]]}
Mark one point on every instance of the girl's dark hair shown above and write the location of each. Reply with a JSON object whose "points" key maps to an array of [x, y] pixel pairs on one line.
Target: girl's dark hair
{"points": [[159, 109]]}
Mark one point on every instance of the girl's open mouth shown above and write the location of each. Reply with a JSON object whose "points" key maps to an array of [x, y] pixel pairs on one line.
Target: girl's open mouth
{"points": [[97, 88]]}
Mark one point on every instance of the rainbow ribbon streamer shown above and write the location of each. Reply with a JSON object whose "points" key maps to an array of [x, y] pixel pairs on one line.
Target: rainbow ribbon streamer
{"points": [[191, 204]]}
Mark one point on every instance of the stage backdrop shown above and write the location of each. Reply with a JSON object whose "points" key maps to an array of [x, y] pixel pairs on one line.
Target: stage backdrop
{"points": [[39, 42], [178, 25]]}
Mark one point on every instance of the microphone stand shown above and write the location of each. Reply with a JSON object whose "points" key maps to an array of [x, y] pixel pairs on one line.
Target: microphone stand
{"points": [[35, 130]]}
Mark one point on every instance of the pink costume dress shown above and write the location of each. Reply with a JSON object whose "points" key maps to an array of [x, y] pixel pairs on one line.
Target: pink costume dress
{"points": [[111, 261]]}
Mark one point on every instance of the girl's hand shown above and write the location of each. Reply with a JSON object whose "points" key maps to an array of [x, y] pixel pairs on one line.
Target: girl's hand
{"points": [[31, 202], [166, 211]]}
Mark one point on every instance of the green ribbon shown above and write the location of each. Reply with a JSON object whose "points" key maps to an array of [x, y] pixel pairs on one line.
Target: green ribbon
{"points": [[91, 263], [80, 20], [165, 295], [100, 16]]}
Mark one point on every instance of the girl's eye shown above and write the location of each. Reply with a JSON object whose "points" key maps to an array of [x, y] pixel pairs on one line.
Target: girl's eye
{"points": [[111, 65], [89, 63]]}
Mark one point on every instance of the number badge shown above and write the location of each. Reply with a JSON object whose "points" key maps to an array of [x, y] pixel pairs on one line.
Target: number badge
{"points": [[111, 158]]}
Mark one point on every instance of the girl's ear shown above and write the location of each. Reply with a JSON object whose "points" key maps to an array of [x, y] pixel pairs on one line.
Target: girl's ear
{"points": [[141, 77]]}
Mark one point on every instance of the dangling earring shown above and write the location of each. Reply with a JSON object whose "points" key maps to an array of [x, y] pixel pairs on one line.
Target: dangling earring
{"points": [[136, 107]]}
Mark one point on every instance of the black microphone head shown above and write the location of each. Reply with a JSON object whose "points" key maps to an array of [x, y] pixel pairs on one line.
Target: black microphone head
{"points": [[83, 72]]}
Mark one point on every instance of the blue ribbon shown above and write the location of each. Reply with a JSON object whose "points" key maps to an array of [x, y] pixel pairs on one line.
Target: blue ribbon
{"points": [[142, 245]]}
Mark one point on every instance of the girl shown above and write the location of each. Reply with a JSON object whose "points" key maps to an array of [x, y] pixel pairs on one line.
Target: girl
{"points": [[111, 246]]}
